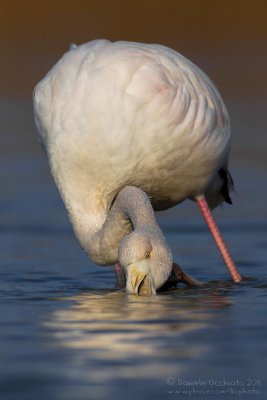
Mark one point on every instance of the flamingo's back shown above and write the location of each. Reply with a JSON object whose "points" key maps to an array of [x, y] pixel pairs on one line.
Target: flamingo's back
{"points": [[117, 114]]}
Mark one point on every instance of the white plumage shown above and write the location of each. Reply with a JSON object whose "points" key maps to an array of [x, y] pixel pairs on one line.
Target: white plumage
{"points": [[112, 115]]}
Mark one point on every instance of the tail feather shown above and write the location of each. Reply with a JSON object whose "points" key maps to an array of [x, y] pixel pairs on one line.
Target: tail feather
{"points": [[228, 184]]}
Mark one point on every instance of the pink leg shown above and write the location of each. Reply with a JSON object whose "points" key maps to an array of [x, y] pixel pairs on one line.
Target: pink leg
{"points": [[120, 276], [204, 208]]}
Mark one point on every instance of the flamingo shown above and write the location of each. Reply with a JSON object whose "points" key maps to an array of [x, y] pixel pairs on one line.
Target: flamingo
{"points": [[129, 129]]}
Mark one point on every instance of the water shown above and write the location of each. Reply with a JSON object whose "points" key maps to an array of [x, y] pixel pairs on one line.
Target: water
{"points": [[66, 333]]}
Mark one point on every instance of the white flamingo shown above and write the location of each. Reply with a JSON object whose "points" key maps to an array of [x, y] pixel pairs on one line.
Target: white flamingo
{"points": [[127, 126]]}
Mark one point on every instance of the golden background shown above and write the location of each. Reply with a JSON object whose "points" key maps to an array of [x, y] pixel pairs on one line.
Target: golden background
{"points": [[228, 39]]}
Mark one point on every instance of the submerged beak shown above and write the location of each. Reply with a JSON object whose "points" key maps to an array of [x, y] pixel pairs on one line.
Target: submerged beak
{"points": [[139, 280]]}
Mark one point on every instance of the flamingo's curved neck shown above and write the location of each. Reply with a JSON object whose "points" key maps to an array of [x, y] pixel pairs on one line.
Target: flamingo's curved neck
{"points": [[131, 210]]}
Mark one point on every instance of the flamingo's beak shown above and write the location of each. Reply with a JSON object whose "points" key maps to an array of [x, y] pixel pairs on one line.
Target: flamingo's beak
{"points": [[140, 280]]}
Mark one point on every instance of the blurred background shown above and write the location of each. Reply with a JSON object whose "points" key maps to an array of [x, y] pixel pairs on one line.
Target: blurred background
{"points": [[228, 40], [48, 347]]}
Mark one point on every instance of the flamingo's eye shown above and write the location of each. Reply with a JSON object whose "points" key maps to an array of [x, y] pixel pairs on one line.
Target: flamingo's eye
{"points": [[147, 254]]}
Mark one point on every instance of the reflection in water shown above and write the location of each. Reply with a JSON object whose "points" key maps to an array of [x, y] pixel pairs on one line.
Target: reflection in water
{"points": [[130, 336]]}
